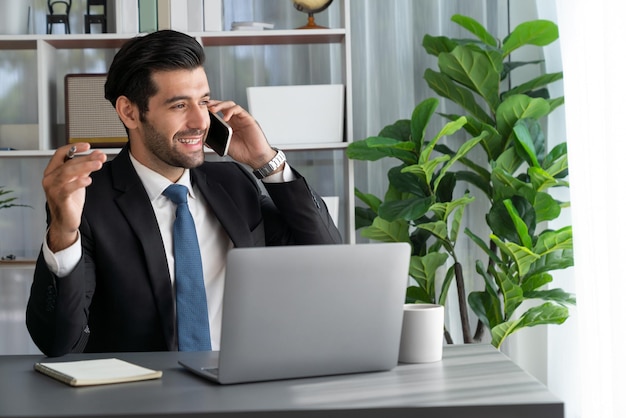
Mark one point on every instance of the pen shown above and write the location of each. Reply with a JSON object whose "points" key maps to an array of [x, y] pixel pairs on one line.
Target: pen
{"points": [[70, 153]]}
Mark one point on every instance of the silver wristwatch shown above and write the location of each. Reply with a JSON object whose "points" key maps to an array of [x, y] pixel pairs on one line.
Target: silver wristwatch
{"points": [[272, 165]]}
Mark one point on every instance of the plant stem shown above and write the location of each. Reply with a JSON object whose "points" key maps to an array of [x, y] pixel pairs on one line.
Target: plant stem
{"points": [[460, 287]]}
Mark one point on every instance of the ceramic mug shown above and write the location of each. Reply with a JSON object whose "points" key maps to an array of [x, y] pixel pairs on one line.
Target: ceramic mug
{"points": [[422, 333]]}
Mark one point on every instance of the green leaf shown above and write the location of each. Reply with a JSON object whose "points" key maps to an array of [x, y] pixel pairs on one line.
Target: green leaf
{"points": [[424, 270], [400, 130], [407, 182], [512, 294], [522, 256], [445, 285], [554, 295], [508, 161], [556, 160], [435, 45], [369, 199], [549, 241], [476, 69], [415, 294], [475, 28], [525, 141], [443, 210], [504, 225], [546, 208], [516, 107], [438, 228], [535, 32], [492, 255], [449, 128], [385, 231], [520, 225], [406, 209], [548, 313], [535, 83], [554, 103], [363, 217], [419, 121], [553, 260], [466, 147], [458, 216], [541, 179], [425, 170], [375, 148], [444, 86], [535, 281], [486, 308]]}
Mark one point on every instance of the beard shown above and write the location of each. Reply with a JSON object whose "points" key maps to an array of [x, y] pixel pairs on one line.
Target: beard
{"points": [[164, 148]]}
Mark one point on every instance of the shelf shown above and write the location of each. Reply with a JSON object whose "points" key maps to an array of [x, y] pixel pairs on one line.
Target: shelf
{"points": [[225, 38], [115, 151], [272, 37]]}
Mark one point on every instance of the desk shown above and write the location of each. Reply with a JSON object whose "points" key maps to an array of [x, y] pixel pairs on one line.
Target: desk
{"points": [[472, 381]]}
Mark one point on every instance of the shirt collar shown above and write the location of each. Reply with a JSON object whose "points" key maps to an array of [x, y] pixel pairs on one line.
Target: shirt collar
{"points": [[155, 184]]}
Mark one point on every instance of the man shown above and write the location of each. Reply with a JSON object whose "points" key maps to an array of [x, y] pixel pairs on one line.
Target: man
{"points": [[104, 280]]}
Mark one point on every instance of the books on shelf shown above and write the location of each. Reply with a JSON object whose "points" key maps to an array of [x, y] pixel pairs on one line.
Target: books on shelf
{"points": [[97, 372], [126, 16], [148, 16], [142, 16], [190, 15]]}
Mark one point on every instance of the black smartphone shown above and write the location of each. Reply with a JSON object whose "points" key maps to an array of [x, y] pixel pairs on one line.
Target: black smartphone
{"points": [[219, 135]]}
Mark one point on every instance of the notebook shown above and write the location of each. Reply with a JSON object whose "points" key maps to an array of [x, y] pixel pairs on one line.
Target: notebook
{"points": [[303, 311]]}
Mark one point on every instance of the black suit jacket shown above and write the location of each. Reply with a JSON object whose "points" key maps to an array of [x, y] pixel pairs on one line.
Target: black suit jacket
{"points": [[119, 297]]}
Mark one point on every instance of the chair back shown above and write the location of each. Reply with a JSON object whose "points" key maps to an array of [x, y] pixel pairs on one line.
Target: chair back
{"points": [[97, 3], [64, 5]]}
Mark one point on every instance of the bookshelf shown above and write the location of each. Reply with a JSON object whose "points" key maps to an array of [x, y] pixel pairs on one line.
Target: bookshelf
{"points": [[324, 164]]}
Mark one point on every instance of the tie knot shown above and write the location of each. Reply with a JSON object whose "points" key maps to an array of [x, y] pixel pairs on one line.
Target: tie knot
{"points": [[177, 193]]}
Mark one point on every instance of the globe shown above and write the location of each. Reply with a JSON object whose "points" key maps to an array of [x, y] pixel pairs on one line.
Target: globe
{"points": [[311, 7]]}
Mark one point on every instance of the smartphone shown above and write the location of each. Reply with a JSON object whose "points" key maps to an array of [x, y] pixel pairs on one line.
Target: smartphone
{"points": [[219, 135]]}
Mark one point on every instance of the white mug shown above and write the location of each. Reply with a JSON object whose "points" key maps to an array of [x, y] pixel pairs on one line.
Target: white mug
{"points": [[422, 333]]}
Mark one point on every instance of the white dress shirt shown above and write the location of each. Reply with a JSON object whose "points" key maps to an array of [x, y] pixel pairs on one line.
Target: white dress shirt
{"points": [[213, 240]]}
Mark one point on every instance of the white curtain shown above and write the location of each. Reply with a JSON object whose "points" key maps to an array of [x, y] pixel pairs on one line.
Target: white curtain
{"points": [[592, 41]]}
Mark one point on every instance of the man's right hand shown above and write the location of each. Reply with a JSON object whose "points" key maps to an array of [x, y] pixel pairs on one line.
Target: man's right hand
{"points": [[64, 183]]}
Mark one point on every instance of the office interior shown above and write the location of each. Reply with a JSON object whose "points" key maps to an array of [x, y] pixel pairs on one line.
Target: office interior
{"points": [[575, 360]]}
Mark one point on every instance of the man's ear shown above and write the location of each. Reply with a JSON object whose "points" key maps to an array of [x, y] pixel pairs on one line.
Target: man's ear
{"points": [[128, 112]]}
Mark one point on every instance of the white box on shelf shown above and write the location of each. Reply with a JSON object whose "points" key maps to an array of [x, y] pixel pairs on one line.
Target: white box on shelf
{"points": [[308, 114]]}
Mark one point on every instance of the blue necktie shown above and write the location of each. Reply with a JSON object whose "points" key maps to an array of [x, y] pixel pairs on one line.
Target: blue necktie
{"points": [[191, 305]]}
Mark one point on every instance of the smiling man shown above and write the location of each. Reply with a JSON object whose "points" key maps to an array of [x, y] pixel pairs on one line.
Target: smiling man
{"points": [[105, 279]]}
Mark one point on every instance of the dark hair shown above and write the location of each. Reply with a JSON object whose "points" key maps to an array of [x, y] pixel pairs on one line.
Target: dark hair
{"points": [[130, 73]]}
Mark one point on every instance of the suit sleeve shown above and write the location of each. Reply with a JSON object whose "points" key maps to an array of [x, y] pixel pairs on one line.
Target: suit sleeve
{"points": [[57, 310], [297, 215]]}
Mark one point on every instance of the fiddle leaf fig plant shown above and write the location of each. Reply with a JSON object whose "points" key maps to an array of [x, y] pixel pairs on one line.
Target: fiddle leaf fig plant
{"points": [[424, 204]]}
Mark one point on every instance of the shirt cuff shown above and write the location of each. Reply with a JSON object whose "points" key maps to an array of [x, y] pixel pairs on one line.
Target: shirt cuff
{"points": [[62, 262], [281, 177]]}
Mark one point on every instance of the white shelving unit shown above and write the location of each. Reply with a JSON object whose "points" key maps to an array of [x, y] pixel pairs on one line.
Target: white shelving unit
{"points": [[47, 49]]}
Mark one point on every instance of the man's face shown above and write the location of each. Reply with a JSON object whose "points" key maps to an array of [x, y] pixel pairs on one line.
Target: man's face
{"points": [[172, 131]]}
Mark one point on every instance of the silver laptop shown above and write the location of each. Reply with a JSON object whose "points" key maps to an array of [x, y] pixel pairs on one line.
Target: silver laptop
{"points": [[303, 311]]}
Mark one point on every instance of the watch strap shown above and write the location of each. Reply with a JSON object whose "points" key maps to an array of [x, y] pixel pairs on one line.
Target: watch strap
{"points": [[272, 165]]}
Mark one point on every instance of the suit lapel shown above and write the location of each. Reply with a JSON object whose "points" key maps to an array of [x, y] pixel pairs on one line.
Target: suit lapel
{"points": [[134, 203], [224, 208]]}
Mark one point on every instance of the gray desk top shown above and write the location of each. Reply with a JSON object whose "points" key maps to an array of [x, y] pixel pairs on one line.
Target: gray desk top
{"points": [[471, 381]]}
